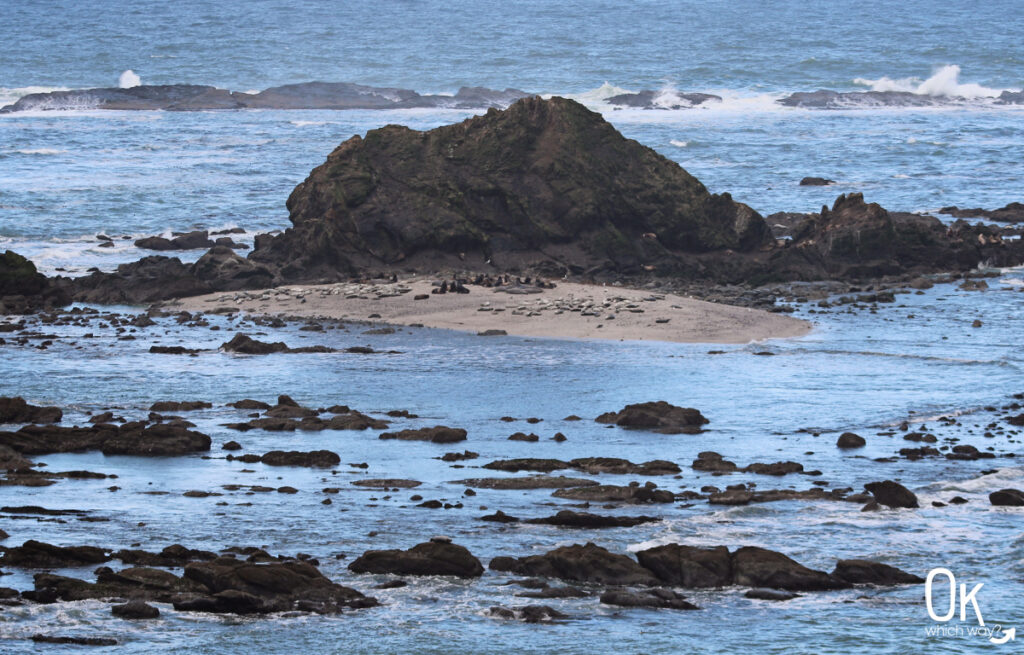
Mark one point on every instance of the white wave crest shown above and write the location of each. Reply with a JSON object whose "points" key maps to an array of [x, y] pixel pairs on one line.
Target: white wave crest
{"points": [[8, 96], [41, 151], [129, 79], [679, 144], [945, 82], [596, 96]]}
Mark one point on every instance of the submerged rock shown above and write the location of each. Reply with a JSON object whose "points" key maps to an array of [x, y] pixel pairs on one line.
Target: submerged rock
{"points": [[570, 519], [649, 598]]}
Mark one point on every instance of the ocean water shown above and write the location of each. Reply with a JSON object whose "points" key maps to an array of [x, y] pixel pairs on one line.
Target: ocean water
{"points": [[66, 176]]}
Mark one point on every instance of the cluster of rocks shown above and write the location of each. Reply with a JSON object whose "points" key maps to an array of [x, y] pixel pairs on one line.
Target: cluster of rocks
{"points": [[131, 438], [209, 583], [288, 415], [591, 465], [16, 410], [713, 462]]}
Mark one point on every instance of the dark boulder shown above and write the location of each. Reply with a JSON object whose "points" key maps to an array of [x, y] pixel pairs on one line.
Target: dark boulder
{"points": [[633, 494], [587, 563], [23, 289], [434, 557], [892, 494], [657, 416], [816, 181], [1007, 498], [850, 440]]}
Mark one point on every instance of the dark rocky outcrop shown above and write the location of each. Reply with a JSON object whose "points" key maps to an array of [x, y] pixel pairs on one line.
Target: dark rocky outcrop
{"points": [[155, 278], [38, 555], [1007, 498], [892, 494], [658, 416], [16, 410], [435, 557], [243, 344], [23, 289], [587, 563], [527, 613], [862, 571], [816, 181], [528, 482], [543, 181], [134, 438]]}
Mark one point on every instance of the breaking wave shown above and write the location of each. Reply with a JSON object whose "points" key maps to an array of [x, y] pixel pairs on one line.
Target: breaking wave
{"points": [[944, 83]]}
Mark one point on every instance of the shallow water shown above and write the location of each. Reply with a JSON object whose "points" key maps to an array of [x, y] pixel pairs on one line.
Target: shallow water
{"points": [[67, 176]]}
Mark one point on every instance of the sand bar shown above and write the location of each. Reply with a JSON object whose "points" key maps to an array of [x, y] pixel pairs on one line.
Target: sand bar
{"points": [[571, 310]]}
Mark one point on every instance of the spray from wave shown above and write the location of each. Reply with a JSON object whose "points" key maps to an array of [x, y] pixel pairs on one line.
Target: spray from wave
{"points": [[129, 79], [945, 82]]}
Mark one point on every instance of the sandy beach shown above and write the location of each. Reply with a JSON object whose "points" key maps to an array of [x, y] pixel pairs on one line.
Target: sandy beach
{"points": [[570, 310]]}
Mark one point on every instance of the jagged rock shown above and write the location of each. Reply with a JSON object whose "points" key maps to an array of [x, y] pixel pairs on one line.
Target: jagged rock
{"points": [[587, 563], [436, 434], [712, 462], [571, 519], [688, 566], [542, 179], [759, 567], [246, 345], [429, 558], [650, 598], [1007, 497], [133, 438], [16, 410], [862, 571], [657, 416], [892, 494]]}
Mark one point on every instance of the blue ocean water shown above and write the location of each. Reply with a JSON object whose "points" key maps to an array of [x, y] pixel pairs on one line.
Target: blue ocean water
{"points": [[67, 176]]}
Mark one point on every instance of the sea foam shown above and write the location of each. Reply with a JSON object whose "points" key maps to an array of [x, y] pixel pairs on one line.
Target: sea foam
{"points": [[945, 82]]}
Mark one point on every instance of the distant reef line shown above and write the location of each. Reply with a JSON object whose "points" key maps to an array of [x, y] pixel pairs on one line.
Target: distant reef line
{"points": [[349, 95]]}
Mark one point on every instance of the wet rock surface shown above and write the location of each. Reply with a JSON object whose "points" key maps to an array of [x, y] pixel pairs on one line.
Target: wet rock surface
{"points": [[429, 558], [658, 416]]}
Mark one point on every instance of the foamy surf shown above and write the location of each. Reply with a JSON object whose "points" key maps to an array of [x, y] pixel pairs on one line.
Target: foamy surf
{"points": [[945, 82]]}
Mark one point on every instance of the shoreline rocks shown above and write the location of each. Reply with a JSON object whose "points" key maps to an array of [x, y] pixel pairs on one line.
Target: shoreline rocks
{"points": [[658, 416], [430, 558]]}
